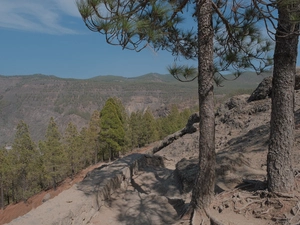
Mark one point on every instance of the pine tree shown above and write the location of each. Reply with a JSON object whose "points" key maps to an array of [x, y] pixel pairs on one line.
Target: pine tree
{"points": [[25, 156], [139, 24], [134, 129], [150, 127], [4, 179], [279, 160], [54, 160], [72, 149], [112, 134], [93, 134], [85, 146]]}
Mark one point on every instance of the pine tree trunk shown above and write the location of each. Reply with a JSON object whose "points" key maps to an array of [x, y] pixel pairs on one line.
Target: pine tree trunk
{"points": [[279, 160], [96, 155], [109, 157], [13, 192], [54, 178], [2, 193], [204, 187]]}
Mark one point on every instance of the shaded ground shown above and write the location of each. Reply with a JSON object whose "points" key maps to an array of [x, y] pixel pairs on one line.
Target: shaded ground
{"points": [[155, 194], [21, 208]]}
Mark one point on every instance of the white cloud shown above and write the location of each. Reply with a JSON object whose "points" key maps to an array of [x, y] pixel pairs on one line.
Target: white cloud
{"points": [[45, 16], [68, 6]]}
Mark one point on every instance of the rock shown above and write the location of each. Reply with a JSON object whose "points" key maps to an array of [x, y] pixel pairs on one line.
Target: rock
{"points": [[236, 102], [190, 126], [225, 114], [187, 171], [263, 90], [46, 197]]}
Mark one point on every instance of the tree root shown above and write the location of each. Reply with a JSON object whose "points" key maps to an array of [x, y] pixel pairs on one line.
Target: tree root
{"points": [[200, 216], [213, 220], [238, 210]]}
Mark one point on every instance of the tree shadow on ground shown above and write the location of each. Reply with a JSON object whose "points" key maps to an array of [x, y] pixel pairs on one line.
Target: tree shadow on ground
{"points": [[154, 198], [256, 138], [244, 157], [98, 178]]}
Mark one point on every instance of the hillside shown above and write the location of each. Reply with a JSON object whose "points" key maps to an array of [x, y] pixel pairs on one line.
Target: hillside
{"points": [[156, 188], [36, 98]]}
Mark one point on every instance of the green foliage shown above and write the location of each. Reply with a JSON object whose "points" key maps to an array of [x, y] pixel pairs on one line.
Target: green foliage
{"points": [[5, 176], [72, 148], [24, 156], [238, 40], [134, 129], [173, 122], [142, 129], [53, 156], [133, 24], [112, 134], [150, 127], [26, 169], [92, 135]]}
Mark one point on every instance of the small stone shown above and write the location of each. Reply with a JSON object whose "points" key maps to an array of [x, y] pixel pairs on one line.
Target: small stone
{"points": [[294, 210], [220, 209], [46, 197]]}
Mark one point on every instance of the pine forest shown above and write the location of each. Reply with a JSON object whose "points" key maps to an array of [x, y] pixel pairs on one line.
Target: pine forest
{"points": [[27, 168]]}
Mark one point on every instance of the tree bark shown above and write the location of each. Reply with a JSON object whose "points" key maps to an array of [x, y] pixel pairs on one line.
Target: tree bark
{"points": [[2, 192], [203, 190], [279, 160]]}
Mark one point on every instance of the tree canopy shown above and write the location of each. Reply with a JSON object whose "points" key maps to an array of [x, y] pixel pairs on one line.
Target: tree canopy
{"points": [[226, 37], [167, 25]]}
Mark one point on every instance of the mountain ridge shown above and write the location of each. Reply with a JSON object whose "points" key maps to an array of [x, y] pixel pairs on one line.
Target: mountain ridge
{"points": [[35, 98]]}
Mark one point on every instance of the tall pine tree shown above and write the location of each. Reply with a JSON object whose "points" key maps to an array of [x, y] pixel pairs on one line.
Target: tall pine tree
{"points": [[112, 134], [54, 158], [72, 148], [93, 136], [25, 157], [231, 35]]}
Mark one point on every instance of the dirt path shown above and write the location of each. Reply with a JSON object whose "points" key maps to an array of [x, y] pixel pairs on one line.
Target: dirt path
{"points": [[15, 210], [19, 209]]}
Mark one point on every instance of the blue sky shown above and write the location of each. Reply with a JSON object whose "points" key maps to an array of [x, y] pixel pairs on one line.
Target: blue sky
{"points": [[49, 37]]}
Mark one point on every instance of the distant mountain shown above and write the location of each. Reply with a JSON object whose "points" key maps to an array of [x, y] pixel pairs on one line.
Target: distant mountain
{"points": [[36, 98]]}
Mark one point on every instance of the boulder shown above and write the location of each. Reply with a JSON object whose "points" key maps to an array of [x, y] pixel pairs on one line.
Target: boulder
{"points": [[191, 126], [263, 90], [187, 171]]}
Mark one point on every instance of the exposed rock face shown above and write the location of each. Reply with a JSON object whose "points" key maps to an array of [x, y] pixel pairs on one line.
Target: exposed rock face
{"points": [[263, 90]]}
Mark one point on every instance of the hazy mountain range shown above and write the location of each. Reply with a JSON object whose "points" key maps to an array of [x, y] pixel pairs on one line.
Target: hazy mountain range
{"points": [[36, 98]]}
